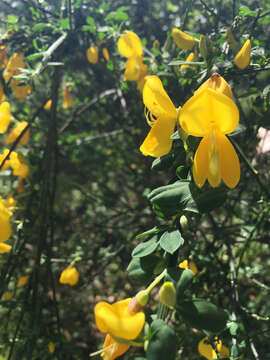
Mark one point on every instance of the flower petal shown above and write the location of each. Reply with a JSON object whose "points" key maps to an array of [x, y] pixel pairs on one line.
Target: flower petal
{"points": [[113, 349], [133, 69], [117, 320], [4, 248], [158, 141], [129, 44], [206, 109], [229, 162], [200, 165], [156, 99]]}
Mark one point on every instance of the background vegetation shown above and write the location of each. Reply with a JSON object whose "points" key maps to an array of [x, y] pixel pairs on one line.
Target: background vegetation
{"points": [[85, 199]]}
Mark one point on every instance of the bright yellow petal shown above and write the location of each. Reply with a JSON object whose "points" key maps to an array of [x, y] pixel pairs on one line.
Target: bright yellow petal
{"points": [[92, 54], [133, 69], [206, 350], [5, 116], [200, 165], [156, 99], [229, 162], [129, 44], [113, 349], [117, 320], [242, 58], [183, 40], [4, 248], [158, 141], [218, 83], [206, 109]]}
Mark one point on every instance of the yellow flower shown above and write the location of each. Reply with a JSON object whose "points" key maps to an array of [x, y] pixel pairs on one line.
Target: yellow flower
{"points": [[16, 131], [20, 91], [2, 95], [105, 53], [112, 349], [2, 157], [186, 264], [51, 347], [92, 54], [161, 117], [4, 248], [5, 228], [191, 57], [129, 45], [207, 351], [19, 165], [48, 104], [242, 58], [68, 100], [69, 276], [7, 296], [15, 62], [5, 116], [211, 114], [167, 294], [183, 40], [117, 320], [23, 280]]}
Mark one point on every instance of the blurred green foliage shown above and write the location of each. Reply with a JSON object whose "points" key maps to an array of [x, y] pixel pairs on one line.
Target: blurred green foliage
{"points": [[91, 191]]}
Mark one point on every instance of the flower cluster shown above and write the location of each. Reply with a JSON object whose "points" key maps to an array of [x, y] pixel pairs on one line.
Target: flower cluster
{"points": [[130, 46]]}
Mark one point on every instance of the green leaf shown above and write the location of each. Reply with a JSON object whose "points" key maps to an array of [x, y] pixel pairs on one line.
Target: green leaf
{"points": [[171, 240], [145, 248], [39, 27], [12, 19], [245, 11], [64, 23], [154, 230], [34, 56], [163, 342], [203, 315], [162, 163], [185, 279], [141, 269]]}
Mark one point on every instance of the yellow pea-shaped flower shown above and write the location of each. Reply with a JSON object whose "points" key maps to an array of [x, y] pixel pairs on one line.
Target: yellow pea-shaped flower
{"points": [[242, 58], [69, 275], [92, 54], [183, 40]]}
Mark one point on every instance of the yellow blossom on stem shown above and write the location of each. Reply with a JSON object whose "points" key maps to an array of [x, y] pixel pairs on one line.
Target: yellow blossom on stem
{"points": [[48, 104], [211, 114], [7, 296], [105, 53], [5, 228], [183, 40], [161, 117], [118, 320], [15, 62], [207, 350], [68, 100], [242, 58], [191, 57], [19, 164], [51, 347], [5, 116], [69, 276], [2, 157], [92, 54], [129, 45], [15, 133], [23, 280], [4, 248], [112, 349], [186, 264]]}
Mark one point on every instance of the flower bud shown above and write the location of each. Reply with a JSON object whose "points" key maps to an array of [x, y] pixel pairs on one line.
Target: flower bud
{"points": [[167, 294], [242, 58], [183, 40], [206, 47], [142, 297], [92, 54], [184, 223]]}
